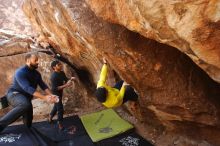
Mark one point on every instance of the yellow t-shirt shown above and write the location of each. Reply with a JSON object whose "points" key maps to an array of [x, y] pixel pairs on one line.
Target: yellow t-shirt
{"points": [[114, 96]]}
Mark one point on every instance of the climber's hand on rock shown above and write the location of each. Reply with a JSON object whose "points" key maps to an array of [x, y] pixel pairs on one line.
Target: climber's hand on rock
{"points": [[104, 61]]}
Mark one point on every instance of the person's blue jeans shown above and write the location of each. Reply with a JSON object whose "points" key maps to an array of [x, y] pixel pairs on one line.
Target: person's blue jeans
{"points": [[22, 106], [58, 108]]}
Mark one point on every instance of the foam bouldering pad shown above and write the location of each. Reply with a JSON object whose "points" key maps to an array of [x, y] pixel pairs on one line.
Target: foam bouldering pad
{"points": [[73, 127], [126, 139], [83, 140], [38, 136], [104, 124], [20, 135]]}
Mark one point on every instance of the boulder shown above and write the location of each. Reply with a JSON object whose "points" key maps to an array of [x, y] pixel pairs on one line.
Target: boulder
{"points": [[190, 26], [173, 91]]}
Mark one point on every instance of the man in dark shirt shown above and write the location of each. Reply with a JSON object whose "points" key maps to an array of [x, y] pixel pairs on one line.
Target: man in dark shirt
{"points": [[20, 94], [59, 81]]}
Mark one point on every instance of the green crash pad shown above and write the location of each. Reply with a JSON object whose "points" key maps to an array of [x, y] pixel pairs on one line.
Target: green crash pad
{"points": [[104, 124]]}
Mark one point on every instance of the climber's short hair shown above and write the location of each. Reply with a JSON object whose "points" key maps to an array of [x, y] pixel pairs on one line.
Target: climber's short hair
{"points": [[100, 94], [29, 55], [54, 63]]}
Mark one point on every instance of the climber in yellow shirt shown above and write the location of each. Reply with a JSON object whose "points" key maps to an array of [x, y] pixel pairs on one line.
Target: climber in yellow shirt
{"points": [[113, 96]]}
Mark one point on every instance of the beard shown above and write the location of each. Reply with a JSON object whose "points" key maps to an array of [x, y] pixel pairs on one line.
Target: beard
{"points": [[34, 66]]}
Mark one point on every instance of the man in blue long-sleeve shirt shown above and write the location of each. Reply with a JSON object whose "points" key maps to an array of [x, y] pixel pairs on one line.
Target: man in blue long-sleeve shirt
{"points": [[20, 94]]}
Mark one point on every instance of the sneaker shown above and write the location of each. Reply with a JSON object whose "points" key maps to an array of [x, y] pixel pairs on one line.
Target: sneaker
{"points": [[60, 126]]}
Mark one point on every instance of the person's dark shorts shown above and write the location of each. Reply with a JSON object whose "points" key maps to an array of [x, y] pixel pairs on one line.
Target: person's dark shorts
{"points": [[130, 94]]}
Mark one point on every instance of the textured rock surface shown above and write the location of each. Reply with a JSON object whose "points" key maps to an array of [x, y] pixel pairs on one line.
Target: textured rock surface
{"points": [[12, 17], [174, 92], [191, 26]]}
